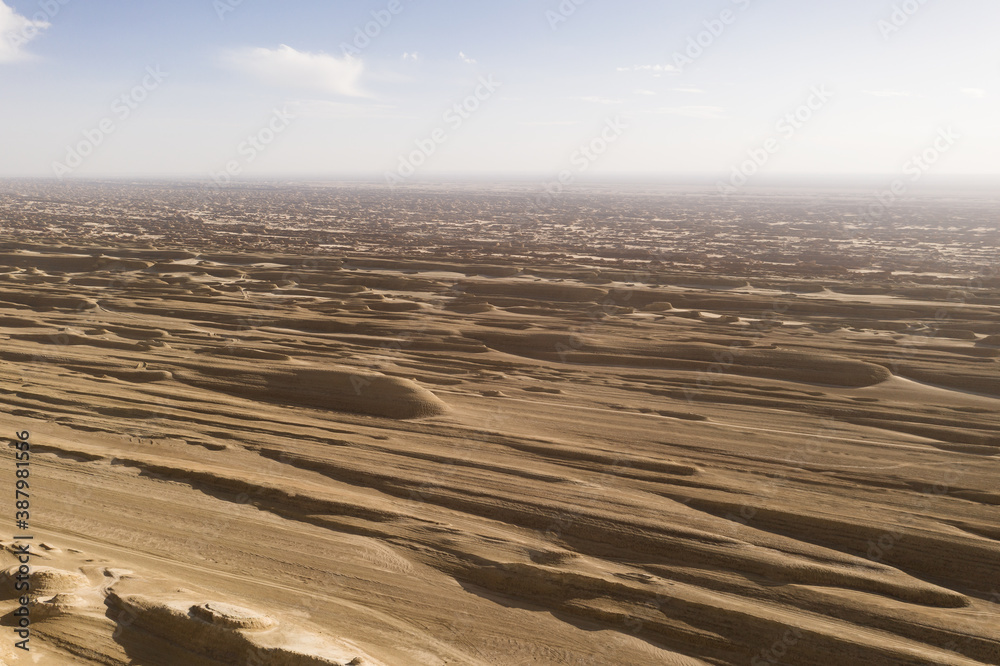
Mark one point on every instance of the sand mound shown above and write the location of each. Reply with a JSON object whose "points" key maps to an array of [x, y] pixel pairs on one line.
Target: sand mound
{"points": [[136, 376], [43, 302], [471, 308], [117, 264], [45, 582], [795, 366], [231, 617], [957, 334], [397, 306], [19, 322], [169, 267], [245, 352], [50, 263], [536, 291], [135, 332], [65, 338], [659, 306], [60, 604], [492, 271], [219, 631], [345, 389]]}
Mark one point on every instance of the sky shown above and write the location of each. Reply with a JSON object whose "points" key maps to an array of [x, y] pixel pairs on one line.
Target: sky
{"points": [[401, 90]]}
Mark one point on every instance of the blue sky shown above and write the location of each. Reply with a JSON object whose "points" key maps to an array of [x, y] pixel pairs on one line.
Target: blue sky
{"points": [[558, 73]]}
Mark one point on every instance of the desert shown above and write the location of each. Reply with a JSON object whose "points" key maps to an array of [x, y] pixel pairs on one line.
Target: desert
{"points": [[334, 423]]}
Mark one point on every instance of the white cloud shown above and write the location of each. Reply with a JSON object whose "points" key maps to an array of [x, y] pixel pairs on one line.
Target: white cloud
{"points": [[888, 93], [15, 32], [694, 111], [645, 92], [974, 92], [689, 90], [411, 56], [655, 70], [466, 59], [287, 67]]}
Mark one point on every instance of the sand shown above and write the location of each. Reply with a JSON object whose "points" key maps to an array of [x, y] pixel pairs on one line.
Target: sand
{"points": [[388, 460]]}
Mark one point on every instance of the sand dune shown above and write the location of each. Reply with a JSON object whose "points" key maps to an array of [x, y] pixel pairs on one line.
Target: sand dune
{"points": [[429, 458]]}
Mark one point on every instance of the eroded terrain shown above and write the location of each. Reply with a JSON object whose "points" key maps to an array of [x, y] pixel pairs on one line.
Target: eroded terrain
{"points": [[343, 425]]}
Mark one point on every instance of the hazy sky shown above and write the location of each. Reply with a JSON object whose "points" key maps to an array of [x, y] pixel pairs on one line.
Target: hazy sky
{"points": [[295, 88]]}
